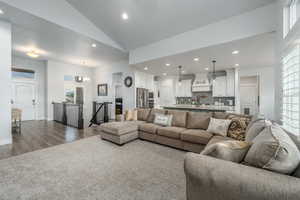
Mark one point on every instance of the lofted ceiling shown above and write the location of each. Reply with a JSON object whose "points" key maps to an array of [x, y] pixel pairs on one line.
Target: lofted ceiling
{"points": [[54, 42], [254, 52], [153, 20]]}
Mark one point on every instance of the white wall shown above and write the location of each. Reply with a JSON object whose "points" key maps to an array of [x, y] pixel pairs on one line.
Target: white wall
{"points": [[104, 75], [39, 67], [258, 21], [5, 82], [266, 88], [55, 85]]}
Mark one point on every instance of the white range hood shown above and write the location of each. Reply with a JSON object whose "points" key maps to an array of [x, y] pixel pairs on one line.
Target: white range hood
{"points": [[201, 83]]}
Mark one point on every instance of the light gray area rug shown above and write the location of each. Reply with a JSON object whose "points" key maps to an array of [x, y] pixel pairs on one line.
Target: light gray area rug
{"points": [[95, 169]]}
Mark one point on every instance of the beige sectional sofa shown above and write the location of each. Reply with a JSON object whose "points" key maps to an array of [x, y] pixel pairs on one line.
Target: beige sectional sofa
{"points": [[188, 130]]}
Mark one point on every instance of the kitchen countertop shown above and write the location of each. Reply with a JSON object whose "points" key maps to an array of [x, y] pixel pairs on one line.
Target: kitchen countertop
{"points": [[201, 107]]}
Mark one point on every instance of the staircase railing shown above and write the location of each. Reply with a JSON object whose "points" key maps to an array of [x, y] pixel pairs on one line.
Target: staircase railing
{"points": [[100, 113]]}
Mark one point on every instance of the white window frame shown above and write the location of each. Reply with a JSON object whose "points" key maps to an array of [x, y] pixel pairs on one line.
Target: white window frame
{"points": [[291, 15], [290, 91]]}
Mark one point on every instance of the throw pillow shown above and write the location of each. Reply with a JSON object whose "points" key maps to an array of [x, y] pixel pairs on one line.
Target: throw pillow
{"points": [[255, 129], [163, 120], [274, 150], [143, 114], [219, 126], [230, 150], [131, 115], [152, 114], [237, 128]]}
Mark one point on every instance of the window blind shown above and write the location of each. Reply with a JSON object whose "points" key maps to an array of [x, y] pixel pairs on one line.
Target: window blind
{"points": [[290, 91]]}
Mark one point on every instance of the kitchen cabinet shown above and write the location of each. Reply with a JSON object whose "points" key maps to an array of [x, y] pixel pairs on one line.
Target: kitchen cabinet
{"points": [[143, 80], [184, 89], [220, 87], [230, 81]]}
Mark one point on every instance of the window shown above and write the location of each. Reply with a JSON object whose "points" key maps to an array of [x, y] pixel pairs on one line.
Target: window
{"points": [[291, 14], [290, 92], [22, 74]]}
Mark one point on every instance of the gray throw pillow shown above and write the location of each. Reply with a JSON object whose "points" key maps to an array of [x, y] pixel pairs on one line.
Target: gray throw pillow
{"points": [[256, 127], [274, 150], [231, 150], [163, 120]]}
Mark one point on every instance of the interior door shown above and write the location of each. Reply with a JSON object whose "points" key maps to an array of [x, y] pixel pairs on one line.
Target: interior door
{"points": [[249, 99], [24, 98]]}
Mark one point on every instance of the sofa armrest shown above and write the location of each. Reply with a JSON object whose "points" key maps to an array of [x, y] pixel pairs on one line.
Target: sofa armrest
{"points": [[208, 178]]}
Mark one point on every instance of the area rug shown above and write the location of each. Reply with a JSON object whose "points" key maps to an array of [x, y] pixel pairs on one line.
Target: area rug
{"points": [[91, 169]]}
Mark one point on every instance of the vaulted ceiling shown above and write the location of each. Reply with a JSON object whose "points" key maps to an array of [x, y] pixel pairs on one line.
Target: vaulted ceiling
{"points": [[153, 20]]}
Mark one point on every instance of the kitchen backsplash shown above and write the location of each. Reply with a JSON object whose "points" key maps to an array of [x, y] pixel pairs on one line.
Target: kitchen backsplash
{"points": [[206, 98]]}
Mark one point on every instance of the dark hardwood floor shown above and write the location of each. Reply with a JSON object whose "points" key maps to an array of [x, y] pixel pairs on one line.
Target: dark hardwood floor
{"points": [[42, 134]]}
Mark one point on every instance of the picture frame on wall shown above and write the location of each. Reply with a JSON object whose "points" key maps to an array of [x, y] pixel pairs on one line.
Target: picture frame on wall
{"points": [[102, 90]]}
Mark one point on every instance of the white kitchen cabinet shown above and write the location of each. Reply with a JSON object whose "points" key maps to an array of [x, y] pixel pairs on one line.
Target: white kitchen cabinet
{"points": [[143, 80], [220, 87], [230, 80]]}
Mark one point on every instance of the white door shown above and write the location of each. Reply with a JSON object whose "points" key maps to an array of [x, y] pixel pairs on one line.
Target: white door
{"points": [[24, 98], [249, 98]]}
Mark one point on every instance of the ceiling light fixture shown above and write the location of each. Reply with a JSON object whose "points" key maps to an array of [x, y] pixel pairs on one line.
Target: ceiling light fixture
{"points": [[124, 16], [179, 74], [146, 68], [206, 69], [237, 65], [94, 45], [168, 64], [33, 54], [235, 52], [196, 59], [214, 75], [183, 72], [165, 74], [1, 12]]}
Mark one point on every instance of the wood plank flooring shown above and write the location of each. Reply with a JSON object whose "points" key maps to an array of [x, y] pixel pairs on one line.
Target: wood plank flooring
{"points": [[42, 134]]}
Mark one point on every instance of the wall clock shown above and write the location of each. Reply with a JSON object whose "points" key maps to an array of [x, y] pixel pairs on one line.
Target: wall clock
{"points": [[128, 81]]}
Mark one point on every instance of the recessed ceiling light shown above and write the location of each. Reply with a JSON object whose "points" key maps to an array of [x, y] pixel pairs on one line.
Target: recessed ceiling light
{"points": [[168, 64], [125, 16], [206, 69], [183, 71], [1, 12], [146, 68], [196, 59], [165, 74], [237, 65], [235, 52], [33, 54], [94, 45]]}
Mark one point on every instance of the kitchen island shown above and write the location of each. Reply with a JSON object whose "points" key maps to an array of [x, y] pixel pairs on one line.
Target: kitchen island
{"points": [[201, 108]]}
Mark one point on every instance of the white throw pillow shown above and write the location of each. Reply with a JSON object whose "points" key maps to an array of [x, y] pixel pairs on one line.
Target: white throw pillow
{"points": [[163, 120], [219, 126]]}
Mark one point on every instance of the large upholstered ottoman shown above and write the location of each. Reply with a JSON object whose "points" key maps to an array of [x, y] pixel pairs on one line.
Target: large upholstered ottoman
{"points": [[120, 132]]}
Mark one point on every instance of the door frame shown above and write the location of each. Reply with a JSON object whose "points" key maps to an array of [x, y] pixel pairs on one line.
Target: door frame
{"points": [[27, 82]]}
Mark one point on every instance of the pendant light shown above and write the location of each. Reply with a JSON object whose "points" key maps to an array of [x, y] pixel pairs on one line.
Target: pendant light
{"points": [[214, 75], [179, 74]]}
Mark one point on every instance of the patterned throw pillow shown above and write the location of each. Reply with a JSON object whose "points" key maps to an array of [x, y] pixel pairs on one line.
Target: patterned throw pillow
{"points": [[237, 128]]}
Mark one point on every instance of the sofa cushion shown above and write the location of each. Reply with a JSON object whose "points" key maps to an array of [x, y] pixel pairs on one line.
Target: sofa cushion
{"points": [[198, 120], [154, 111], [143, 114], [218, 138], [196, 136], [237, 128], [256, 127], [179, 118], [149, 128], [171, 132], [220, 115], [274, 150], [119, 128], [230, 150]]}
